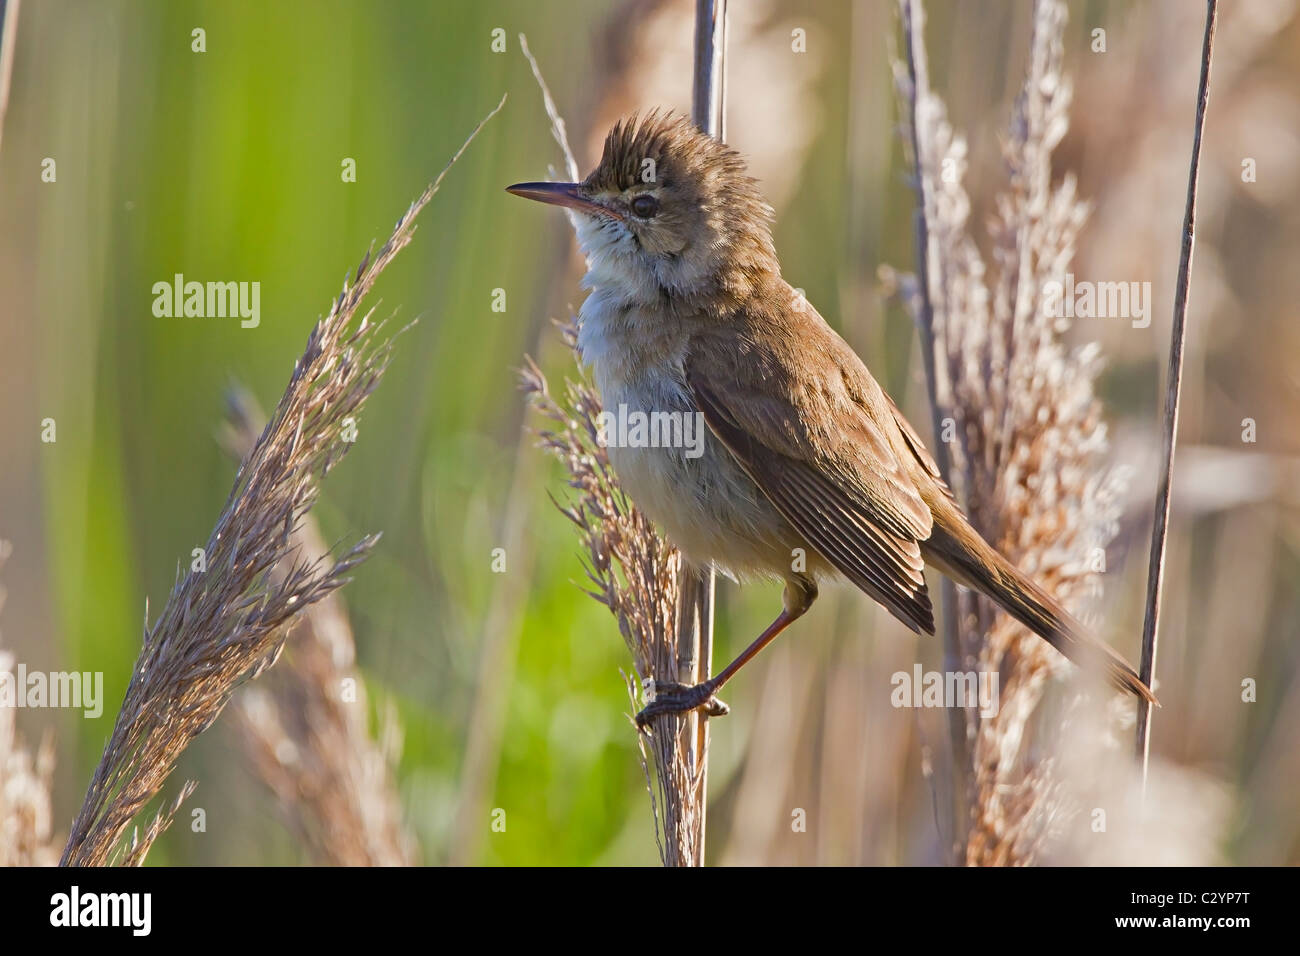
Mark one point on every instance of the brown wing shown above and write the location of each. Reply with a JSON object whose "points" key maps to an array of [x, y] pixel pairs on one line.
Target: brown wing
{"points": [[843, 488], [919, 451]]}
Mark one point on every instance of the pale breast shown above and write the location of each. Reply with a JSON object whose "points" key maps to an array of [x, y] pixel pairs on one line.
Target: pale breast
{"points": [[675, 470]]}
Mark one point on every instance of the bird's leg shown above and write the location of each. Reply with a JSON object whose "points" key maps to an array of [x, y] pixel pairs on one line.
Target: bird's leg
{"points": [[671, 698]]}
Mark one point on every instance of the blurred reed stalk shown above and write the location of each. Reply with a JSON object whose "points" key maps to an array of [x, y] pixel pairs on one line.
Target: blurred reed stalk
{"points": [[918, 100], [8, 44], [1173, 386], [500, 630], [304, 727], [226, 624], [636, 574], [664, 607], [1028, 443], [709, 111]]}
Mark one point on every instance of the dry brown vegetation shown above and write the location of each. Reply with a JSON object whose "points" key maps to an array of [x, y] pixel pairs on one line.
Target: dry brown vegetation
{"points": [[227, 619]]}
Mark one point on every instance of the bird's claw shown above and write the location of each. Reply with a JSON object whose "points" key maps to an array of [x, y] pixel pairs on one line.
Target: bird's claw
{"points": [[670, 698]]}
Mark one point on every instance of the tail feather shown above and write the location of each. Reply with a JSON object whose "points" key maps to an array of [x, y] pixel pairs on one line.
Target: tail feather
{"points": [[955, 548]]}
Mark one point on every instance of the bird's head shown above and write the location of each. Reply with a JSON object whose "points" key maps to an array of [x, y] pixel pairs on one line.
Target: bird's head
{"points": [[669, 213]]}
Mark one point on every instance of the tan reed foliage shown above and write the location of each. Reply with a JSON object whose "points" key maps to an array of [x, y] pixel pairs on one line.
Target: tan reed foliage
{"points": [[634, 573], [304, 727], [1241, 498], [226, 625], [26, 813], [1030, 444]]}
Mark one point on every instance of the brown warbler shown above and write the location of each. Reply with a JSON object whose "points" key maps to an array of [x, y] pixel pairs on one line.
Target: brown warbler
{"points": [[809, 468]]}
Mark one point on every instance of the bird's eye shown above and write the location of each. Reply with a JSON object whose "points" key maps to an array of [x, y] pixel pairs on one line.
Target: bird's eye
{"points": [[645, 206]]}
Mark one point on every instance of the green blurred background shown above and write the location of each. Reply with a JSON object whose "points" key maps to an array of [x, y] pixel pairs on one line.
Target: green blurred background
{"points": [[225, 165]]}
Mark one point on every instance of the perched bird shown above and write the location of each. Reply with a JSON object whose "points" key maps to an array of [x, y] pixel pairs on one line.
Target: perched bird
{"points": [[810, 469]]}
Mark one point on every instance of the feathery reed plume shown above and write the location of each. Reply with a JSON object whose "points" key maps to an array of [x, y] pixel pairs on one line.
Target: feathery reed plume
{"points": [[226, 624], [638, 577], [26, 815], [303, 728], [635, 574], [1030, 442], [137, 848]]}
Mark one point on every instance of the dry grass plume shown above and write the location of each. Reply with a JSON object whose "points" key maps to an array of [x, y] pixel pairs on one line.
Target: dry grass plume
{"points": [[227, 624]]}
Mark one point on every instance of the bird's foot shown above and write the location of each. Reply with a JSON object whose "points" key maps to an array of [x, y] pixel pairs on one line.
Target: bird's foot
{"points": [[670, 698]]}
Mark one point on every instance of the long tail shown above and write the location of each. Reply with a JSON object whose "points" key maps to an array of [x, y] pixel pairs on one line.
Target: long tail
{"points": [[956, 549]]}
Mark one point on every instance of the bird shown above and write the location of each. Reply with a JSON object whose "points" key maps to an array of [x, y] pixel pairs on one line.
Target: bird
{"points": [[809, 472]]}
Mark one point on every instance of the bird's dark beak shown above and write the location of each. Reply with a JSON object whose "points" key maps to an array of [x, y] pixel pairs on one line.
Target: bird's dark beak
{"points": [[561, 194]]}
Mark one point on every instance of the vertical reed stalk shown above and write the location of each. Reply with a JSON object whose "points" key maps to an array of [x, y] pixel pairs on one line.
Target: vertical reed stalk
{"points": [[918, 100], [709, 108], [1173, 392], [663, 606]]}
